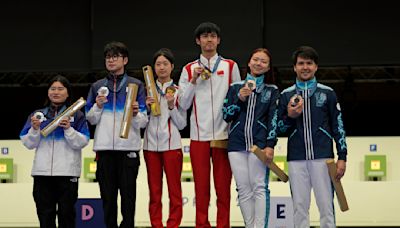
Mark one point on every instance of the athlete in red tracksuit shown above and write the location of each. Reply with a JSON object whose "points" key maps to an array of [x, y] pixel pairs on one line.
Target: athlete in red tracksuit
{"points": [[207, 93], [162, 144]]}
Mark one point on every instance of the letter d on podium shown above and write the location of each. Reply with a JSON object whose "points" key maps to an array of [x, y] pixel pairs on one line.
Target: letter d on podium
{"points": [[89, 213]]}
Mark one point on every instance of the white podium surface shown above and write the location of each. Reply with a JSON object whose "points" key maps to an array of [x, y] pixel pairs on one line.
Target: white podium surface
{"points": [[371, 203]]}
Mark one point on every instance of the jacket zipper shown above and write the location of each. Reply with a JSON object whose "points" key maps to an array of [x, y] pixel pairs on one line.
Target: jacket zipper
{"points": [[114, 104], [212, 103], [52, 151]]}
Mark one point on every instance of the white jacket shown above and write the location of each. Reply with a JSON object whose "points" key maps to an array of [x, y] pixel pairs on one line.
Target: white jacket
{"points": [[58, 154], [108, 119], [162, 132], [207, 97]]}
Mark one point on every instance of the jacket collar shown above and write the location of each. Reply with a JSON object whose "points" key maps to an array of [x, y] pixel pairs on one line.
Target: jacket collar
{"points": [[165, 85], [310, 86], [118, 77], [209, 63]]}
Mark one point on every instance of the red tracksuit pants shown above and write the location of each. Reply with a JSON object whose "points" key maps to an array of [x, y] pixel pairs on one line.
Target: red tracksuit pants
{"points": [[171, 163], [200, 154]]}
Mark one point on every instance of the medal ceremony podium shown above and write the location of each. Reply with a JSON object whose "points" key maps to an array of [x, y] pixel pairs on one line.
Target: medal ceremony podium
{"points": [[376, 156]]}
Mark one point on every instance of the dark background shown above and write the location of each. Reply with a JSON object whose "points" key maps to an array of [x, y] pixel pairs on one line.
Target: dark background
{"points": [[358, 45]]}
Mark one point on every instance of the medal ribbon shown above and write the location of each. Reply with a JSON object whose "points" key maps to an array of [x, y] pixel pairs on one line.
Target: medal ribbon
{"points": [[159, 90], [215, 66]]}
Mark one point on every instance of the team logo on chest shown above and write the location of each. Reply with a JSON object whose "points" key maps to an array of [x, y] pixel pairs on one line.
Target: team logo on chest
{"points": [[265, 96], [320, 99]]}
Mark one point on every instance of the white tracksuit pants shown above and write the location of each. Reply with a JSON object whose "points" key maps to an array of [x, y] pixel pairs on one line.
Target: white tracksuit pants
{"points": [[303, 176], [251, 177]]}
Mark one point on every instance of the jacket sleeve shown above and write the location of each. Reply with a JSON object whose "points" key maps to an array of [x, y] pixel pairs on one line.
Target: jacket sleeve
{"points": [[140, 120], [93, 112], [236, 73], [30, 138], [232, 104], [78, 136], [187, 88], [178, 115], [337, 127], [272, 119], [285, 123]]}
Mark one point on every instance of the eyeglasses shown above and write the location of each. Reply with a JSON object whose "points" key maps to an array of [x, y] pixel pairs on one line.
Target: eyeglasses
{"points": [[113, 57]]}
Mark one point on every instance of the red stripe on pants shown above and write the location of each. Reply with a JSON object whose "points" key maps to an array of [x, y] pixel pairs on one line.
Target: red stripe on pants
{"points": [[171, 162], [200, 153]]}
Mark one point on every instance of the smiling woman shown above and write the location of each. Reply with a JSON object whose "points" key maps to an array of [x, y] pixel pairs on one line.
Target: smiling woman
{"points": [[250, 106], [59, 91], [57, 163]]}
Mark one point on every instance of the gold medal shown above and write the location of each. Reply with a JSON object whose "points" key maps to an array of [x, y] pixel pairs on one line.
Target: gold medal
{"points": [[205, 74], [170, 90]]}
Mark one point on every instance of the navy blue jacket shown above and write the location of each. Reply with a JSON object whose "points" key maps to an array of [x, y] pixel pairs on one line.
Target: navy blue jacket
{"points": [[253, 122], [311, 135]]}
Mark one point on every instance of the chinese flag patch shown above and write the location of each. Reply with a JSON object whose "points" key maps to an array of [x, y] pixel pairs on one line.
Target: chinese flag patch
{"points": [[220, 72]]}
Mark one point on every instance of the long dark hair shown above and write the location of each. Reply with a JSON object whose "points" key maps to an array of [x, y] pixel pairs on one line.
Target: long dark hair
{"points": [[269, 77], [65, 82]]}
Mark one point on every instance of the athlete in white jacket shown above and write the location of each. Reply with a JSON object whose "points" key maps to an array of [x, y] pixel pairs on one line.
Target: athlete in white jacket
{"points": [[117, 158], [57, 163], [204, 83], [162, 143]]}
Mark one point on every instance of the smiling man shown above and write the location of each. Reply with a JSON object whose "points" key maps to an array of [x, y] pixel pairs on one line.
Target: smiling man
{"points": [[312, 122]]}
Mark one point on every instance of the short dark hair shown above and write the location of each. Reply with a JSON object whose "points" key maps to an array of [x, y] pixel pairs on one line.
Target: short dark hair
{"points": [[207, 27], [65, 82], [305, 52], [167, 53], [116, 48]]}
